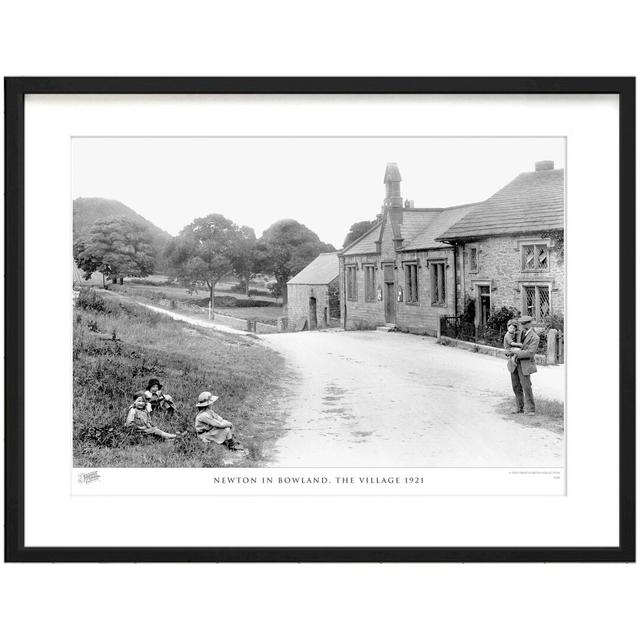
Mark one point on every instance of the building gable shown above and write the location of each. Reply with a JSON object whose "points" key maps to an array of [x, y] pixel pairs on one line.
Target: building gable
{"points": [[365, 244]]}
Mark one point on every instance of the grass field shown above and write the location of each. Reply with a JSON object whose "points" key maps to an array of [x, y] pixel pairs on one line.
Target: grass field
{"points": [[267, 315], [267, 312], [118, 346]]}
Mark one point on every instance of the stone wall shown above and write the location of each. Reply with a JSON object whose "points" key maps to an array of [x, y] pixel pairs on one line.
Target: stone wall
{"points": [[358, 313], [500, 266], [423, 316], [298, 310], [419, 317]]}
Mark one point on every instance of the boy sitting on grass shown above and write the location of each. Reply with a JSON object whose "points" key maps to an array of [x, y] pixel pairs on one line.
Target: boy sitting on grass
{"points": [[138, 417], [212, 427]]}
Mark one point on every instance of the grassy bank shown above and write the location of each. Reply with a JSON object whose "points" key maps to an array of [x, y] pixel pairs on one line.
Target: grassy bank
{"points": [[549, 414], [118, 346]]}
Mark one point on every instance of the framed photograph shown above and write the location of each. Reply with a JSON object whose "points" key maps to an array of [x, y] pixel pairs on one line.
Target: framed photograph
{"points": [[320, 319]]}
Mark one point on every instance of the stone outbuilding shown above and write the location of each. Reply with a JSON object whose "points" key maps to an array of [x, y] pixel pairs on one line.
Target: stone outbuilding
{"points": [[313, 295]]}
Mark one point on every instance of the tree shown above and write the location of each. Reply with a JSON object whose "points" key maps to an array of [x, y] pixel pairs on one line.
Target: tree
{"points": [[557, 242], [115, 247], [286, 248], [244, 257], [203, 252], [358, 229]]}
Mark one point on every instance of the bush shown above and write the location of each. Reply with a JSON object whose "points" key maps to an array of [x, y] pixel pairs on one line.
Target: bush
{"points": [[498, 319], [555, 321], [239, 288], [275, 288], [469, 314], [89, 300]]}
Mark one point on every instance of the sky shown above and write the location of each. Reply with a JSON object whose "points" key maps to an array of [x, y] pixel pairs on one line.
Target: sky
{"points": [[325, 183]]}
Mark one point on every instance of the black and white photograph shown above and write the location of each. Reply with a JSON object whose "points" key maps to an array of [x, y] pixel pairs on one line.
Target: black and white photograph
{"points": [[319, 302], [340, 326]]}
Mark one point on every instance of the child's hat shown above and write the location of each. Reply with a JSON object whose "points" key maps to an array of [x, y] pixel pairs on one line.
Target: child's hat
{"points": [[140, 394], [152, 382], [205, 399]]}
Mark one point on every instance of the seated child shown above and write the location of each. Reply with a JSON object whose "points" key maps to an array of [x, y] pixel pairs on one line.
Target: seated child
{"points": [[512, 344], [138, 417], [212, 427], [156, 399]]}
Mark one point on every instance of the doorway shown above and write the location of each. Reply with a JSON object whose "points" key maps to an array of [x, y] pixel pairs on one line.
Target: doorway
{"points": [[313, 317], [389, 295], [484, 304]]}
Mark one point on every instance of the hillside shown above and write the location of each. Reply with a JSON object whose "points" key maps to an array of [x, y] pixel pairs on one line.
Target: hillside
{"points": [[86, 211]]}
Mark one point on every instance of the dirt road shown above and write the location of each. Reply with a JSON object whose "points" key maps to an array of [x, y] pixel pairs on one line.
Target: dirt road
{"points": [[391, 399]]}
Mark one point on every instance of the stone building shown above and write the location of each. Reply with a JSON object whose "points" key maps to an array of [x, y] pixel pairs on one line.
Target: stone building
{"points": [[511, 247], [312, 294], [419, 264]]}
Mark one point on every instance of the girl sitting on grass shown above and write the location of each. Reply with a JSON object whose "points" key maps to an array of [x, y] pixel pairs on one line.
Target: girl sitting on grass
{"points": [[212, 427], [138, 417], [156, 399]]}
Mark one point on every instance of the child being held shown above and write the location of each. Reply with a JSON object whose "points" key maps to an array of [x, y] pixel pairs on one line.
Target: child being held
{"points": [[138, 417], [512, 344]]}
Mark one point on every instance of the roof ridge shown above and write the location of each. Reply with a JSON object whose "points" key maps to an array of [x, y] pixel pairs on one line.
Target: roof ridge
{"points": [[467, 204]]}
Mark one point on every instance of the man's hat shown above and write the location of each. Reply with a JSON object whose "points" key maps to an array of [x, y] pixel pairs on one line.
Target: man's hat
{"points": [[205, 399], [525, 319]]}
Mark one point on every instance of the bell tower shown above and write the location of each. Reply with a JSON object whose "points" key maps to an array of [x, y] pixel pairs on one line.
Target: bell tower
{"points": [[393, 201]]}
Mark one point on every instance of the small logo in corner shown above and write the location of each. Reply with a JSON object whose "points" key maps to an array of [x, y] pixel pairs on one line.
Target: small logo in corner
{"points": [[87, 477]]}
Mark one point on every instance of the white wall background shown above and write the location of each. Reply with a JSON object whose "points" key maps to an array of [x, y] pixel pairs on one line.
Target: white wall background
{"points": [[328, 38]]}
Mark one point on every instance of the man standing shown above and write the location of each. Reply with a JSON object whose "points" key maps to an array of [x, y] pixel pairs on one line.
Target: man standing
{"points": [[525, 358]]}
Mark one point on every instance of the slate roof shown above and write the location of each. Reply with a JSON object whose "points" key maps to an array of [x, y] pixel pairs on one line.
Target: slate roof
{"points": [[441, 221], [419, 229], [322, 270], [533, 201], [415, 222], [364, 244]]}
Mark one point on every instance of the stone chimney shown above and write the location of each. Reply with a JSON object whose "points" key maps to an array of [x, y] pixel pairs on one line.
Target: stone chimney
{"points": [[393, 200], [544, 165]]}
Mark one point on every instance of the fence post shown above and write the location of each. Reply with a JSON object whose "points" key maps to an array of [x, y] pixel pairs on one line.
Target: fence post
{"points": [[439, 329], [552, 346]]}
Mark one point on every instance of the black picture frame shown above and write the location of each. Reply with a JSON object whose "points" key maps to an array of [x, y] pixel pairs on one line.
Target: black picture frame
{"points": [[15, 91]]}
